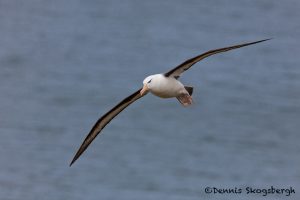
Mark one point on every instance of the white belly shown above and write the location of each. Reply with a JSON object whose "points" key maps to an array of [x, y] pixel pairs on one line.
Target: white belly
{"points": [[167, 88]]}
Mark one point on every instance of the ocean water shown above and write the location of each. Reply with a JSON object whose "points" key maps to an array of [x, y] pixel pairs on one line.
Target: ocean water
{"points": [[65, 63]]}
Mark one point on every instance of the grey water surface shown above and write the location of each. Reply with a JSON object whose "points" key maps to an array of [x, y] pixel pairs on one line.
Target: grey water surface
{"points": [[65, 63]]}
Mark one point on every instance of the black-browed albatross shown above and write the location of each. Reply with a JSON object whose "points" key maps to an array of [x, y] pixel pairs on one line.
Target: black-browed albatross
{"points": [[161, 85]]}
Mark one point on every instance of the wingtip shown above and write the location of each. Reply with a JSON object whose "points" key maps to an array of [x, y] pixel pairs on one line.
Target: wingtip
{"points": [[267, 39], [72, 162], [75, 157], [262, 40], [251, 43], [70, 165]]}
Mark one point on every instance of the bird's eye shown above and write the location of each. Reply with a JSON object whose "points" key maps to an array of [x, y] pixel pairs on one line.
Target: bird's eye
{"points": [[150, 81]]}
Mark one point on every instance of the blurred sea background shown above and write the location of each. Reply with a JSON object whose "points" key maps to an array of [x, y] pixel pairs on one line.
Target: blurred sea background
{"points": [[64, 63]]}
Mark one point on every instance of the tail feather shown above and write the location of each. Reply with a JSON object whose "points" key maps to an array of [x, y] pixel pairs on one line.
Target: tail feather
{"points": [[185, 99], [189, 90]]}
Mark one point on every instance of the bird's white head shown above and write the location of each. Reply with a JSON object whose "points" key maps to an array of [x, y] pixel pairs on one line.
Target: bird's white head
{"points": [[148, 84]]}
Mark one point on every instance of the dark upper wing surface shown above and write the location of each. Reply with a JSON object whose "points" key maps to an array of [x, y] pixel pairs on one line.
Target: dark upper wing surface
{"points": [[177, 71]]}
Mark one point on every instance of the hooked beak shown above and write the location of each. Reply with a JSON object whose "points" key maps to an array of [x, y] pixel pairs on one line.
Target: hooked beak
{"points": [[144, 90]]}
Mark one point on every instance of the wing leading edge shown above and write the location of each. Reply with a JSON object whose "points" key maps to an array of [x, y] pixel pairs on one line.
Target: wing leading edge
{"points": [[104, 120], [177, 71]]}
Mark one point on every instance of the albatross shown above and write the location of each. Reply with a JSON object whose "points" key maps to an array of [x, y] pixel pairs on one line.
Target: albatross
{"points": [[165, 85]]}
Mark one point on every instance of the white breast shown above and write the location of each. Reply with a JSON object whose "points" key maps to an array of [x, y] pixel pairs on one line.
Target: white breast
{"points": [[166, 87]]}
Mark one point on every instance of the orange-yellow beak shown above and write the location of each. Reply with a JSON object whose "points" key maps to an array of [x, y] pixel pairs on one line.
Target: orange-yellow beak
{"points": [[144, 90]]}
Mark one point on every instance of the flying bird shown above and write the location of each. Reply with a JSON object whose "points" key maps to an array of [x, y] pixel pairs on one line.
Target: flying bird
{"points": [[162, 85]]}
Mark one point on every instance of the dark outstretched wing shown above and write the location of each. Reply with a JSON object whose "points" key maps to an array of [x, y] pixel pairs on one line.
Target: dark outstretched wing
{"points": [[104, 120], [176, 72]]}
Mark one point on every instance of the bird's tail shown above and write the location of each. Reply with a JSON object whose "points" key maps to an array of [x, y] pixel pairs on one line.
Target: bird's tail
{"points": [[186, 98], [189, 90]]}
